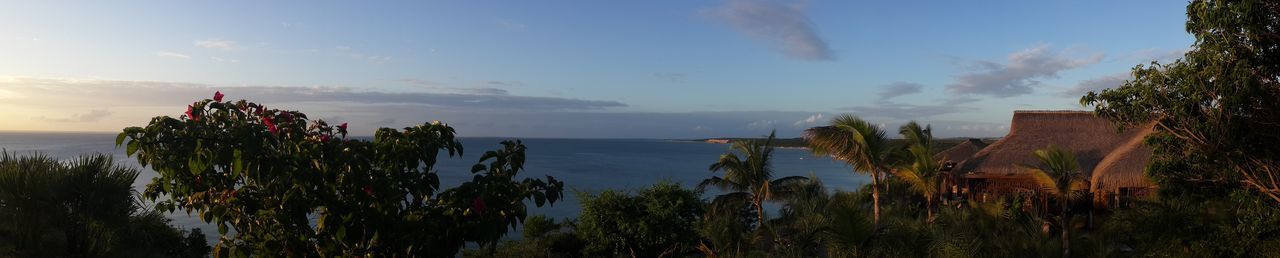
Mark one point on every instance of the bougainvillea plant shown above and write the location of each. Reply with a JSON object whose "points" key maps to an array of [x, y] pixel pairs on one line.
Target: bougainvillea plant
{"points": [[279, 184]]}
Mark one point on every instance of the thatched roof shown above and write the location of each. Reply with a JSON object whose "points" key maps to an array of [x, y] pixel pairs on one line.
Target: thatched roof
{"points": [[1091, 138], [1123, 168], [961, 151]]}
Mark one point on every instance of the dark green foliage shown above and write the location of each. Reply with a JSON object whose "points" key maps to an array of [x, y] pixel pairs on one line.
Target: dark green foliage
{"points": [[538, 226], [728, 223], [85, 207], [1217, 108], [1242, 225], [543, 237], [813, 222], [151, 236], [658, 220], [276, 183]]}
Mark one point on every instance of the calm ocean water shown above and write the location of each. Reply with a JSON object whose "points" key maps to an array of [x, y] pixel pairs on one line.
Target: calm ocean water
{"points": [[588, 165]]}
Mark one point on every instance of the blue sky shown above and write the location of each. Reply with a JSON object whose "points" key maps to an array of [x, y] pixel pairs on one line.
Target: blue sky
{"points": [[579, 69]]}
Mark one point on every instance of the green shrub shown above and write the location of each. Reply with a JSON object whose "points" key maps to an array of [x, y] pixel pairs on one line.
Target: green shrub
{"points": [[661, 219], [292, 186]]}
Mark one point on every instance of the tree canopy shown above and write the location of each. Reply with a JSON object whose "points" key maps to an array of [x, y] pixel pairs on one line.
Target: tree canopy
{"points": [[1217, 109]]}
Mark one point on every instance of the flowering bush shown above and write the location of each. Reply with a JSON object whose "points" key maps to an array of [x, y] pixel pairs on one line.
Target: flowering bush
{"points": [[277, 183]]}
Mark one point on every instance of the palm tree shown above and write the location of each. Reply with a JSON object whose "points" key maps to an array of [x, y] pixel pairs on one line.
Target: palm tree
{"points": [[921, 172], [750, 175], [1059, 174], [859, 143], [85, 204]]}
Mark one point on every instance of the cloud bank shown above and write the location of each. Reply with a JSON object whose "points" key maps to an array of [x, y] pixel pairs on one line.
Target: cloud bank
{"points": [[91, 116], [45, 104]]}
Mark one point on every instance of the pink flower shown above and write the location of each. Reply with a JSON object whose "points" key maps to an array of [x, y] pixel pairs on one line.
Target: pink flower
{"points": [[270, 125], [478, 206], [191, 113], [343, 127], [324, 138], [217, 96], [368, 190]]}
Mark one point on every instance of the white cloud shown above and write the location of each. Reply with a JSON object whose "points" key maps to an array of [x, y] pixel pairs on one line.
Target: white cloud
{"points": [[786, 28], [813, 119], [217, 44], [1022, 71], [166, 54]]}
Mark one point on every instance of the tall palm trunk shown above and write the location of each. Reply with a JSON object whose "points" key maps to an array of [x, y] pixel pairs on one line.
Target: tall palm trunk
{"points": [[875, 198], [759, 213], [928, 207], [1066, 228]]}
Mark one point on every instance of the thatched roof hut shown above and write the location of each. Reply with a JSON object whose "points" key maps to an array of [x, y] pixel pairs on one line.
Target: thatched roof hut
{"points": [[1109, 157], [1124, 168], [961, 151]]}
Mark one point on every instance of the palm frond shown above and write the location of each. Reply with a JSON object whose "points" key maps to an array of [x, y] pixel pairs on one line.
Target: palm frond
{"points": [[1042, 178], [851, 139]]}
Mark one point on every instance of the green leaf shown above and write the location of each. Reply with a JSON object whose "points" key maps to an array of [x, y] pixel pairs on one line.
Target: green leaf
{"points": [[131, 148], [237, 163], [120, 138], [195, 165]]}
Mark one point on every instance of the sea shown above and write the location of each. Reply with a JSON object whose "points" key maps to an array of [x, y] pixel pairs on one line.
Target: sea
{"points": [[584, 165]]}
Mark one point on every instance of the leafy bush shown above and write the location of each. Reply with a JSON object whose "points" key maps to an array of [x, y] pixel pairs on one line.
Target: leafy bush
{"points": [[276, 183], [659, 220]]}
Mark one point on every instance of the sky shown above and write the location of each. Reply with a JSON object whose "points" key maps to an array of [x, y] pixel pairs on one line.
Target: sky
{"points": [[576, 69]]}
